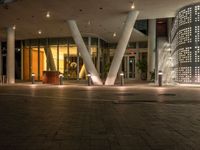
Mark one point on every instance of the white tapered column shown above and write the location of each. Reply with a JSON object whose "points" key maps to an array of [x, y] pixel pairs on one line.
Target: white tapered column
{"points": [[84, 52], [121, 47], [10, 55], [151, 47], [50, 61], [98, 55]]}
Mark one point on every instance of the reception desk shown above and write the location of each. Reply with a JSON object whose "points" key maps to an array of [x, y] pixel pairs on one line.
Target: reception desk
{"points": [[51, 77]]}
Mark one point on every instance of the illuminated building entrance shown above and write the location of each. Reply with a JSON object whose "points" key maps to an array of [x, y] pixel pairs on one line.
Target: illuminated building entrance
{"points": [[55, 55]]}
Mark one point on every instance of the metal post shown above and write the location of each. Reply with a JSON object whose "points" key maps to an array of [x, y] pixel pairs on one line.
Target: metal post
{"points": [[61, 79], [160, 74], [89, 80], [33, 78], [122, 78]]}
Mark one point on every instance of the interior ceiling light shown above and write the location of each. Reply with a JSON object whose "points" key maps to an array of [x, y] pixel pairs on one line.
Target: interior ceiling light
{"points": [[14, 27], [114, 34], [39, 31], [132, 5], [48, 14]]}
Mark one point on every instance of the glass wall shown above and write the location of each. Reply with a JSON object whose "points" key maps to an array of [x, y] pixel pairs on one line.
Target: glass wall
{"points": [[63, 57], [34, 60], [72, 62], [26, 63], [43, 62], [41, 54]]}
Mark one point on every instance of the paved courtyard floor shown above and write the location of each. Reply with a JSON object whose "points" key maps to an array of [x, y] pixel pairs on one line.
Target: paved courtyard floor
{"points": [[78, 117]]}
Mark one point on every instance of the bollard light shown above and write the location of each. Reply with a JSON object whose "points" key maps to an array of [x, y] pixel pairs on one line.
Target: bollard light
{"points": [[33, 78], [160, 74], [122, 78], [4, 79], [89, 79], [61, 79]]}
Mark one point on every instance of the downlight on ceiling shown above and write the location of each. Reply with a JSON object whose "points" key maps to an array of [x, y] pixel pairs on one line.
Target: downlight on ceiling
{"points": [[114, 34], [132, 5], [48, 14], [14, 27], [39, 31]]}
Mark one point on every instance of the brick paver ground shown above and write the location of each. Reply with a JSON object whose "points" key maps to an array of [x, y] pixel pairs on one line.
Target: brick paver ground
{"points": [[77, 117]]}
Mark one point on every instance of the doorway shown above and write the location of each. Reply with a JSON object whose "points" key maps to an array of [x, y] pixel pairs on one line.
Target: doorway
{"points": [[128, 67]]}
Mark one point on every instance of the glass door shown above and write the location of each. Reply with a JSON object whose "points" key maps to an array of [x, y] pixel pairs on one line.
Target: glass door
{"points": [[131, 66]]}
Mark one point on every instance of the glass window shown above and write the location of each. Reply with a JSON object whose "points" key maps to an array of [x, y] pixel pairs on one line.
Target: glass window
{"points": [[72, 62], [93, 53], [63, 53], [34, 56], [43, 62], [26, 64]]}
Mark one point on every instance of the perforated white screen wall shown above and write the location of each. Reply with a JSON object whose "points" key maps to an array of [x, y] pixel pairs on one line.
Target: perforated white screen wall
{"points": [[185, 37]]}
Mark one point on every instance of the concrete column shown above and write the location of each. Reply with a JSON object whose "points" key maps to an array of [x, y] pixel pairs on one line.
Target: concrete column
{"points": [[84, 52], [1, 61], [10, 55], [49, 56], [89, 45], [151, 47], [120, 69], [121, 47], [98, 55]]}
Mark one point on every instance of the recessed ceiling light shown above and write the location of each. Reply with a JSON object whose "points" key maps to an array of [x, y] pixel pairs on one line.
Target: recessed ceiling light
{"points": [[48, 14], [132, 5], [14, 27], [39, 31], [114, 34]]}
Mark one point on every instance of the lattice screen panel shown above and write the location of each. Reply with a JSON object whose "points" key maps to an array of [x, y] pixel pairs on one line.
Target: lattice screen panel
{"points": [[185, 37]]}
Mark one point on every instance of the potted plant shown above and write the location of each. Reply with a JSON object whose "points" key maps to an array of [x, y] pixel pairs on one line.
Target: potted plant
{"points": [[106, 68], [142, 68]]}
